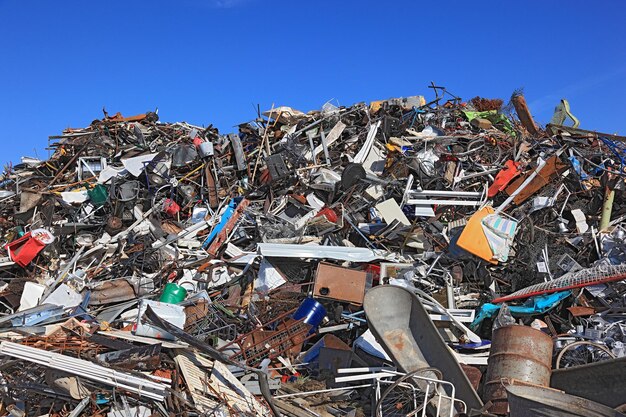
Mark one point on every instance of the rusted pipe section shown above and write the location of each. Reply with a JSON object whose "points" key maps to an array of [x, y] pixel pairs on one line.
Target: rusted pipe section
{"points": [[523, 112]]}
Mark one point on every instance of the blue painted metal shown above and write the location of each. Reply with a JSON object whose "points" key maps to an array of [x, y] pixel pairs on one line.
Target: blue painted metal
{"points": [[228, 213]]}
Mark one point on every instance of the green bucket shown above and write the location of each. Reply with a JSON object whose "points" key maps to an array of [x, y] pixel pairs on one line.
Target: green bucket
{"points": [[173, 294], [98, 195]]}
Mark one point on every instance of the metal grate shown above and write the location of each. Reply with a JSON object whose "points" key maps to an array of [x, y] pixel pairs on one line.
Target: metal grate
{"points": [[260, 343], [582, 278]]}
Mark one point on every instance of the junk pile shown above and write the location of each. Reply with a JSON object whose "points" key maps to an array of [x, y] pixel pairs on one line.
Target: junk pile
{"points": [[396, 258]]}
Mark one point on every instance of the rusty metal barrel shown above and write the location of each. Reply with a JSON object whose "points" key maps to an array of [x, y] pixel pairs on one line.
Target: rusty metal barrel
{"points": [[517, 352]]}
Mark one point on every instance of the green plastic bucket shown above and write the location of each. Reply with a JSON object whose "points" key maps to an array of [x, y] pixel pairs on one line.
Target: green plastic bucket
{"points": [[173, 294], [98, 195]]}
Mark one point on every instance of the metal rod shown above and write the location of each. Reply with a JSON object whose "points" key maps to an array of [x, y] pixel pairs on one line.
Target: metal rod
{"points": [[295, 394]]}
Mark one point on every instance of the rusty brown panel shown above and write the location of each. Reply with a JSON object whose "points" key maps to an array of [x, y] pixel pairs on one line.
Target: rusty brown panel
{"points": [[219, 240], [117, 117], [338, 283], [578, 311], [214, 200], [112, 292], [473, 374]]}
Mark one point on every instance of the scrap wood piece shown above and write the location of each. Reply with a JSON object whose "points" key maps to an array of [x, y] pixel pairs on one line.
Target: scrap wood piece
{"points": [[234, 392], [193, 368], [213, 386], [294, 410], [216, 355]]}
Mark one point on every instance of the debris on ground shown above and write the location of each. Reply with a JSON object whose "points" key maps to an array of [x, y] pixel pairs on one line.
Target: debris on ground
{"points": [[403, 257]]}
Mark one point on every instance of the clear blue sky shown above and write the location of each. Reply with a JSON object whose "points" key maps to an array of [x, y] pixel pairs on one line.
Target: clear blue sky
{"points": [[211, 61]]}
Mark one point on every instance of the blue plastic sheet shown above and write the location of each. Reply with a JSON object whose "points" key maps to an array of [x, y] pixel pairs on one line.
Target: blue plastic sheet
{"points": [[578, 168], [535, 305]]}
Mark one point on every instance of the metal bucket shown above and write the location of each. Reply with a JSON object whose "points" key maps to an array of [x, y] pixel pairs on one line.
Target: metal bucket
{"points": [[517, 352], [206, 149], [543, 402]]}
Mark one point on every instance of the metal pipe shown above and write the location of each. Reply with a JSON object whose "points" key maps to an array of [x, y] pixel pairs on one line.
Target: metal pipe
{"points": [[319, 391], [607, 208], [86, 369], [439, 193], [363, 369], [376, 375]]}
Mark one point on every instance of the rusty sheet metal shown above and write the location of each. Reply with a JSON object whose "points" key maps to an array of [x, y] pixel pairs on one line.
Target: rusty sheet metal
{"points": [[141, 358], [473, 374], [603, 382], [578, 311], [213, 193], [517, 352], [553, 167], [196, 312], [337, 283], [403, 328], [553, 129], [528, 401], [117, 117], [112, 292]]}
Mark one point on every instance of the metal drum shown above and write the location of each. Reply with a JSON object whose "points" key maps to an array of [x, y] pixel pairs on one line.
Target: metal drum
{"points": [[517, 352], [312, 312]]}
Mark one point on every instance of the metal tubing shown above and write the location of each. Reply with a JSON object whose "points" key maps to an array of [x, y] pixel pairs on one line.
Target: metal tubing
{"points": [[607, 208], [140, 386]]}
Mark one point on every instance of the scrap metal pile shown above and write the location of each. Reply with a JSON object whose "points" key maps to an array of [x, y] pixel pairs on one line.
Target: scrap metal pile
{"points": [[396, 258]]}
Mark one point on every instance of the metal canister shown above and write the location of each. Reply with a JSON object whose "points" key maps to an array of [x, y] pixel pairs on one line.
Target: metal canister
{"points": [[206, 149], [310, 312], [517, 352]]}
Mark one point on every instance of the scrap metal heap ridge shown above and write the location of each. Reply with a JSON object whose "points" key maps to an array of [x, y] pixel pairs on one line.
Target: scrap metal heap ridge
{"points": [[403, 257]]}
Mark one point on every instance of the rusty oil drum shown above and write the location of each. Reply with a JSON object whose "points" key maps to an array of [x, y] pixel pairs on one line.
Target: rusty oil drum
{"points": [[517, 352]]}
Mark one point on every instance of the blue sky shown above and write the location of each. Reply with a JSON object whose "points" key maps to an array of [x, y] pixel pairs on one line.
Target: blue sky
{"points": [[212, 61]]}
